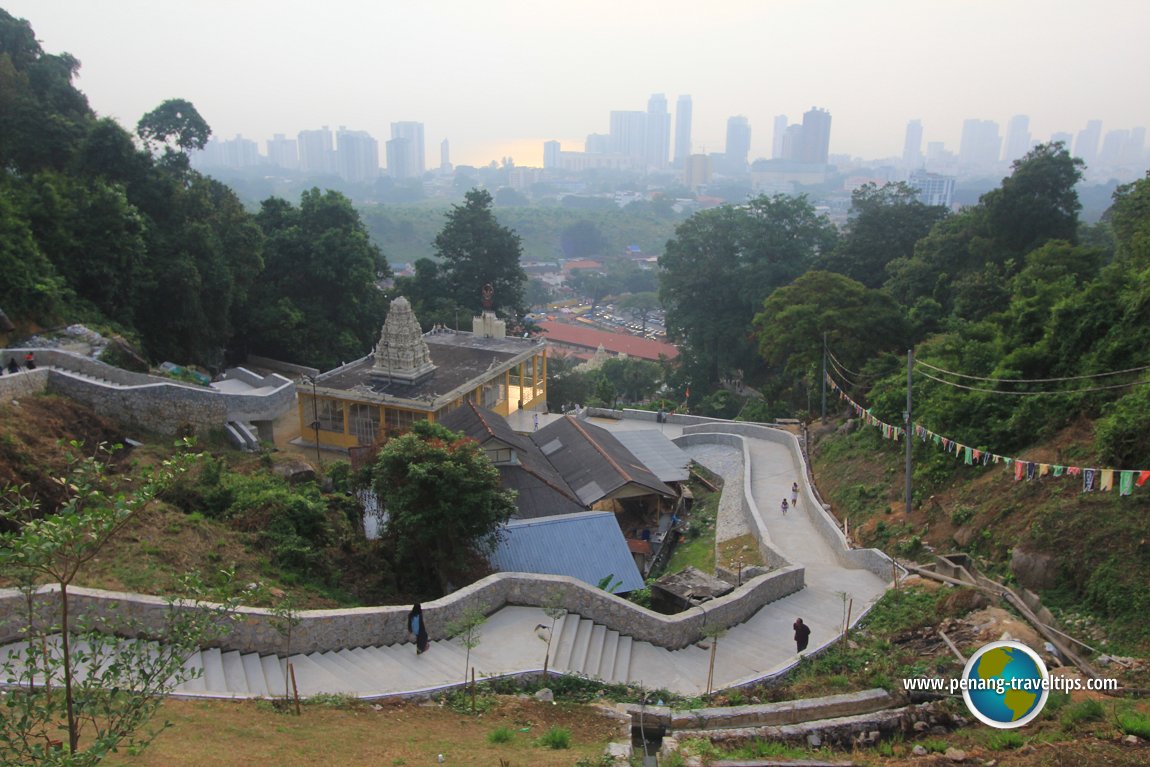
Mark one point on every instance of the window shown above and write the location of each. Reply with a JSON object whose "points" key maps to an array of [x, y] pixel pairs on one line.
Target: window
{"points": [[329, 413], [401, 420], [365, 423]]}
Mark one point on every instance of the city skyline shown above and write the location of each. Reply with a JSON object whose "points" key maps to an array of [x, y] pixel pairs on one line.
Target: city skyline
{"points": [[498, 82]]}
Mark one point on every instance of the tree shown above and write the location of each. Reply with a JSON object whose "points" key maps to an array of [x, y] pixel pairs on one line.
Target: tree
{"points": [[858, 322], [721, 265], [1037, 202], [444, 501], [591, 284], [582, 239], [174, 123], [474, 251], [111, 686], [640, 306], [885, 224], [317, 299]]}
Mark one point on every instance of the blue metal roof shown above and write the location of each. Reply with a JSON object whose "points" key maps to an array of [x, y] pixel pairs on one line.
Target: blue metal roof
{"points": [[588, 546]]}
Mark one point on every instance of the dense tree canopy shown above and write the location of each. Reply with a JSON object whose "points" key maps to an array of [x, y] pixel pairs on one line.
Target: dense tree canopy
{"points": [[444, 502], [719, 268], [885, 224], [475, 250], [317, 300]]}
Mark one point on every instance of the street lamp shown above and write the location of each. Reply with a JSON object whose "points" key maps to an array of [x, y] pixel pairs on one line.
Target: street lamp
{"points": [[315, 417]]}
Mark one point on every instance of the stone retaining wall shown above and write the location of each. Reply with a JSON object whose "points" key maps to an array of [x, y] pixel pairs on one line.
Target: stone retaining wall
{"points": [[771, 556], [151, 402], [324, 630], [780, 713], [23, 384], [868, 559]]}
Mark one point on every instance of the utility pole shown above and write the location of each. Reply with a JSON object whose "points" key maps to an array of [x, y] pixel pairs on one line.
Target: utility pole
{"points": [[908, 434], [824, 376]]}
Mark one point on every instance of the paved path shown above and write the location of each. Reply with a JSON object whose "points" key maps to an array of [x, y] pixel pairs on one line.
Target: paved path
{"points": [[512, 642]]}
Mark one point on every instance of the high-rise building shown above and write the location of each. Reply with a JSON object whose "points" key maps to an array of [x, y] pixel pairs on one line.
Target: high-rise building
{"points": [[658, 143], [738, 147], [597, 143], [357, 155], [778, 138], [283, 152], [629, 134], [793, 143], [1113, 148], [1136, 147], [444, 156], [1067, 139], [816, 143], [400, 159], [551, 152], [682, 130], [981, 144], [933, 189], [697, 171], [316, 151], [912, 145], [1086, 144], [1017, 138], [414, 164]]}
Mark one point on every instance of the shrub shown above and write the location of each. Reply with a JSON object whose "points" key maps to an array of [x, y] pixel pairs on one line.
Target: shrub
{"points": [[1134, 723], [556, 738], [1084, 711], [1004, 740], [500, 735]]}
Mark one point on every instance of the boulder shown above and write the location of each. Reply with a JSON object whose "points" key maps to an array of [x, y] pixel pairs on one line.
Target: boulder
{"points": [[1034, 570]]}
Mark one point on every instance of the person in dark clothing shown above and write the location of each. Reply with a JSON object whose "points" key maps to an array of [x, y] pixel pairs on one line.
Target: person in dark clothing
{"points": [[12, 366], [802, 634], [30, 361], [417, 626]]}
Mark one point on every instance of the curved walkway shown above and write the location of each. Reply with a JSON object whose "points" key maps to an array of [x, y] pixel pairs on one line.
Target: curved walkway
{"points": [[513, 640]]}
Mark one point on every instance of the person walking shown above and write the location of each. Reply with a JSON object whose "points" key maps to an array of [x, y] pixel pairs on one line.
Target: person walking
{"points": [[802, 634], [417, 626], [784, 506], [795, 494]]}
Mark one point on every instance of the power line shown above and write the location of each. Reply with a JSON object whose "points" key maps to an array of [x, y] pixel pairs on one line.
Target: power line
{"points": [[1034, 393], [1029, 380]]}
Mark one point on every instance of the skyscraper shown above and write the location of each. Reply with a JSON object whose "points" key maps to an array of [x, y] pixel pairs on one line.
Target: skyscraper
{"points": [[816, 137], [444, 156], [400, 159], [1017, 138], [980, 144], [357, 155], [1086, 145], [551, 150], [738, 143], [283, 152], [629, 134], [682, 130], [414, 164], [912, 145], [658, 143], [779, 138], [316, 151]]}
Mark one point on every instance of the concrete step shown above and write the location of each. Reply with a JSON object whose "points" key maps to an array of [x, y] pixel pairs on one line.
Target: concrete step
{"points": [[254, 673], [621, 669], [274, 678], [590, 665], [565, 642], [579, 649], [313, 678], [607, 657], [336, 662], [214, 678], [194, 663], [387, 674], [234, 676]]}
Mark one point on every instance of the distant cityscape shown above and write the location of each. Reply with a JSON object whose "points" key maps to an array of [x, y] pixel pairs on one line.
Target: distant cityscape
{"points": [[639, 144]]}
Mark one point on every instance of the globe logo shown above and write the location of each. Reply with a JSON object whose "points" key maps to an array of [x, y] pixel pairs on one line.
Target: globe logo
{"points": [[1005, 684]]}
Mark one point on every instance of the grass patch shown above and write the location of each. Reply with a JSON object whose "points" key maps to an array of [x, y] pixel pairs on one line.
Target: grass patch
{"points": [[1089, 710], [1004, 740], [500, 735], [1134, 723], [556, 738]]}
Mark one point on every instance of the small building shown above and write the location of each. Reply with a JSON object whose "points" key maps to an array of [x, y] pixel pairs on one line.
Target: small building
{"points": [[540, 489], [586, 545], [586, 341], [412, 376]]}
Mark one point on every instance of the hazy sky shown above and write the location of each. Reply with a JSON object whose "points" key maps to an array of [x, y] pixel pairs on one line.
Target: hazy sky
{"points": [[499, 77]]}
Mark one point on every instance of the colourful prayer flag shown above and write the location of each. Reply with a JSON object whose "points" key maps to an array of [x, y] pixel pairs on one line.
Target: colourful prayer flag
{"points": [[1107, 482], [969, 456], [1142, 477], [1126, 483], [1019, 470], [1059, 471], [1088, 480]]}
